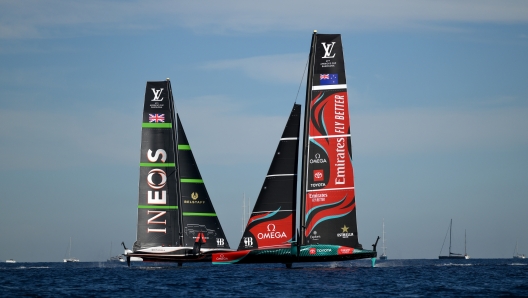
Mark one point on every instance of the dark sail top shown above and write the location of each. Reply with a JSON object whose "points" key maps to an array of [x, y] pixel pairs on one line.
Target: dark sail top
{"points": [[328, 197], [196, 206], [158, 198], [272, 222]]}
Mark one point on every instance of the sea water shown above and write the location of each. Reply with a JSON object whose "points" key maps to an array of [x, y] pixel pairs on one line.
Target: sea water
{"points": [[441, 278]]}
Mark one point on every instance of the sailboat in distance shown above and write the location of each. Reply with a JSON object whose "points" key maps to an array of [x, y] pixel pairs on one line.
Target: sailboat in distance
{"points": [[383, 255], [516, 254], [327, 230], [451, 254], [176, 218], [70, 259]]}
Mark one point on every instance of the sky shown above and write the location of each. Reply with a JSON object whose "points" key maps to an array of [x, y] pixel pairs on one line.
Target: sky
{"points": [[438, 100]]}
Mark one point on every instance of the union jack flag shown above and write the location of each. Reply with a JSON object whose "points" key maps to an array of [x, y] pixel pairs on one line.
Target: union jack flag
{"points": [[156, 118], [324, 77]]}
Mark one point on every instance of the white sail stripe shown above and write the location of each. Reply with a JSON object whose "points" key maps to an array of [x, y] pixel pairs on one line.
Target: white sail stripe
{"points": [[326, 189], [330, 136], [278, 175], [287, 139], [271, 211], [329, 87]]}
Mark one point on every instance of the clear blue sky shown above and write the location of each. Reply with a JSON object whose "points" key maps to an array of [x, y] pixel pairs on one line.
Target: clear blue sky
{"points": [[438, 100]]}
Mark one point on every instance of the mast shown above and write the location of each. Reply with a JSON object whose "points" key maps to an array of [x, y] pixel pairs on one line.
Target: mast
{"points": [[174, 129], [243, 213], [306, 127], [450, 226], [465, 254], [383, 236]]}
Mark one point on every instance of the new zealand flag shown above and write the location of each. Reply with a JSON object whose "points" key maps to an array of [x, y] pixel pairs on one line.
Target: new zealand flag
{"points": [[328, 79]]}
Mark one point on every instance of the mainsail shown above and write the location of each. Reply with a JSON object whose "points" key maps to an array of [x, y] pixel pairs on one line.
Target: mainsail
{"points": [[158, 214], [327, 188], [176, 218]]}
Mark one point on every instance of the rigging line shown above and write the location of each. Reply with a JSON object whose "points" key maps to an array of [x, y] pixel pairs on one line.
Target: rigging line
{"points": [[302, 78]]}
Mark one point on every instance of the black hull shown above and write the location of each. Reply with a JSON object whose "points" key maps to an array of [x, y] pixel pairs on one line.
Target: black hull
{"points": [[255, 259]]}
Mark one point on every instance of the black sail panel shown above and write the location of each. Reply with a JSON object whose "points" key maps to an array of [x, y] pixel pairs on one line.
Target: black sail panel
{"points": [[272, 222], [199, 215], [328, 195], [158, 198]]}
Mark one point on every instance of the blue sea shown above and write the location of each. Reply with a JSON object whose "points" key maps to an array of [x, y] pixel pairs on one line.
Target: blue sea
{"points": [[414, 278]]}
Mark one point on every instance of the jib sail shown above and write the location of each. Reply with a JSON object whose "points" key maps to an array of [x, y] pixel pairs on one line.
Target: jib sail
{"points": [[272, 222], [199, 215]]}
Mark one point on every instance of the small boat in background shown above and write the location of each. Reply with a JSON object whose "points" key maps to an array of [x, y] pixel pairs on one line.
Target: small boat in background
{"points": [[453, 255], [10, 261], [383, 255], [516, 254], [70, 259]]}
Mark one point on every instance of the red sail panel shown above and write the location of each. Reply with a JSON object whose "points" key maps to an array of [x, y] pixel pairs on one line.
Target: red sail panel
{"points": [[329, 197]]}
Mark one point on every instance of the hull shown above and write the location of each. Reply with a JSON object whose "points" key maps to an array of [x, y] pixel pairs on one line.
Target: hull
{"points": [[182, 255], [307, 253], [71, 260], [383, 257], [465, 257]]}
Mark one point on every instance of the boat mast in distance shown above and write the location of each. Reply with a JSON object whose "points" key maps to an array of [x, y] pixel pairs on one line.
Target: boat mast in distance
{"points": [[451, 254], [383, 255]]}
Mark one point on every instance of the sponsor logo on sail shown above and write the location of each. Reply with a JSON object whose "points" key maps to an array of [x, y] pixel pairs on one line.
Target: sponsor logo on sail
{"points": [[157, 94], [194, 197], [318, 197], [153, 196], [340, 162], [317, 159], [345, 233], [248, 241], [328, 50], [271, 233], [220, 241], [314, 236], [318, 175]]}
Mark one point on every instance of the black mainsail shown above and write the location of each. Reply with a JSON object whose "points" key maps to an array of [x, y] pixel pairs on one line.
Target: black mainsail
{"points": [[328, 227], [176, 219]]}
